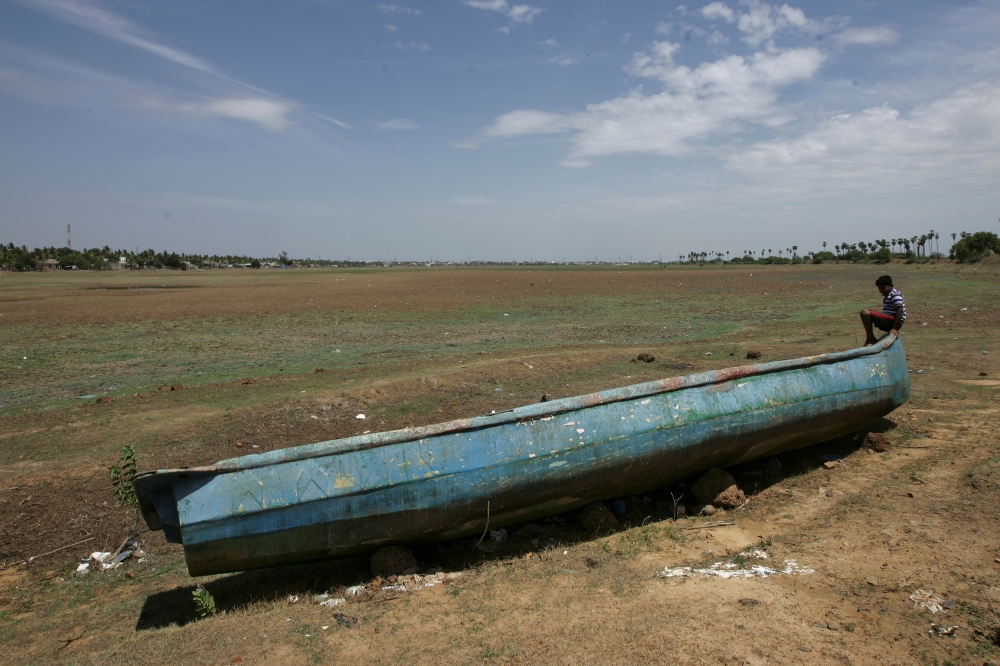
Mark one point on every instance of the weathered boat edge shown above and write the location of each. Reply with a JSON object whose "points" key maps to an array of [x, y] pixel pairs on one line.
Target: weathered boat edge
{"points": [[533, 411]]}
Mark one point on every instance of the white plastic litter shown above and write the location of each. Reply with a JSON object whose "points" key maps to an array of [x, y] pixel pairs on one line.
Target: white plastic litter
{"points": [[730, 570], [360, 417], [354, 590], [929, 600], [83, 568], [415, 582], [333, 602]]}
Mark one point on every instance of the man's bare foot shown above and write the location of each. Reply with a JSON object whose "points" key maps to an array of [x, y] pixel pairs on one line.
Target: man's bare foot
{"points": [[870, 342]]}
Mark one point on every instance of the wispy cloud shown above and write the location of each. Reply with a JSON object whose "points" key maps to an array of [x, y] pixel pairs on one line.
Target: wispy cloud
{"points": [[113, 27], [471, 201], [54, 80], [396, 9], [397, 124], [564, 60], [516, 13], [390, 27], [268, 112], [339, 123], [417, 46], [867, 36]]}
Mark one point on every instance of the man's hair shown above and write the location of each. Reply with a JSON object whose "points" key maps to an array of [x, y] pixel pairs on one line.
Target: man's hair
{"points": [[884, 281]]}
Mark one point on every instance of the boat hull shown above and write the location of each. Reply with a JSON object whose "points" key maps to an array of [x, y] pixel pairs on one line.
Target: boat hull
{"points": [[440, 482]]}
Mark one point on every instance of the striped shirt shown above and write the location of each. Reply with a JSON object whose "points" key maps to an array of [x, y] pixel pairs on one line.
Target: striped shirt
{"points": [[893, 302]]}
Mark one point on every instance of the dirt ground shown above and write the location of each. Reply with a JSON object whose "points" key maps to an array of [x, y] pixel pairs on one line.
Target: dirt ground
{"points": [[261, 360]]}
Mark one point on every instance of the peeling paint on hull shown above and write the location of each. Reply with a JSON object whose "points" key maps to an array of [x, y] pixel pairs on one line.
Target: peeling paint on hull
{"points": [[352, 495]]}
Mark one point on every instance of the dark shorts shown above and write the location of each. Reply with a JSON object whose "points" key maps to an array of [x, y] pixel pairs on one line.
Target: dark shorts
{"points": [[883, 322]]}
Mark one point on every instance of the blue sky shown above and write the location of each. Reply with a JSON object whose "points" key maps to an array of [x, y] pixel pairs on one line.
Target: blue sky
{"points": [[486, 129]]}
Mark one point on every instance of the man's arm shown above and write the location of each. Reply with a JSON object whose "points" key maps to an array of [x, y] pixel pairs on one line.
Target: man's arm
{"points": [[898, 321]]}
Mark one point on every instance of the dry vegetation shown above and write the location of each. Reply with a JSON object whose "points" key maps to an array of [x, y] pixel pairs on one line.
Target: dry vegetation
{"points": [[415, 347]]}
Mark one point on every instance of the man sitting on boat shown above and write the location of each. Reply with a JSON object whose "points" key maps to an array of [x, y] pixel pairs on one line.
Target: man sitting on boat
{"points": [[893, 312]]}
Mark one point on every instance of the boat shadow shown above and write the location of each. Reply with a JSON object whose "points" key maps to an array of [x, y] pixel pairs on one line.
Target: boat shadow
{"points": [[277, 585]]}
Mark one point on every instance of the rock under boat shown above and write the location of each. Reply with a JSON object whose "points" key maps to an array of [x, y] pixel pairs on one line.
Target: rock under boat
{"points": [[436, 482]]}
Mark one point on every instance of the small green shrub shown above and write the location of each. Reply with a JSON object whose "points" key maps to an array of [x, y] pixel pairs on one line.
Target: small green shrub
{"points": [[204, 602], [122, 475]]}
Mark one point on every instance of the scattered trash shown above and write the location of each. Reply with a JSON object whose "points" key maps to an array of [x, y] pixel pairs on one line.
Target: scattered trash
{"points": [[498, 389], [985, 353], [499, 536], [830, 464], [360, 417], [942, 631], [416, 582], [730, 570], [962, 309], [924, 599], [333, 602], [752, 354], [83, 568], [708, 353], [293, 598], [103, 561], [355, 590]]}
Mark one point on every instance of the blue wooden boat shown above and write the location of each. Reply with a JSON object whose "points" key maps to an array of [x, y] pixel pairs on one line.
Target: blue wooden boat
{"points": [[437, 482]]}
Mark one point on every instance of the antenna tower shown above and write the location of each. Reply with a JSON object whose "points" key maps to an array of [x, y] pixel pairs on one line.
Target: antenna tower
{"points": [[69, 242]]}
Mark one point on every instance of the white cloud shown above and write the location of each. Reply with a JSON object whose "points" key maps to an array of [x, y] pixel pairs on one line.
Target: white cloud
{"points": [[338, 123], [663, 28], [113, 27], [563, 60], [551, 41], [957, 136], [471, 201], [717, 38], [763, 21], [504, 30], [398, 124], [270, 113], [711, 99], [412, 45], [718, 10], [396, 9], [516, 13], [867, 36], [626, 37], [390, 27]]}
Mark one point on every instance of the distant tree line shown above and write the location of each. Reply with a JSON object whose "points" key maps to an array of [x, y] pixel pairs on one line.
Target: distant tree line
{"points": [[970, 247], [21, 258]]}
